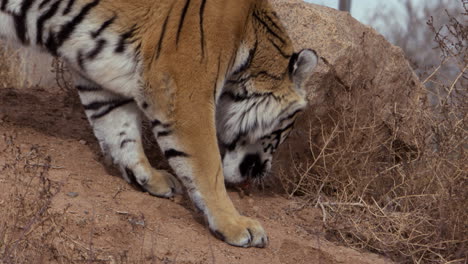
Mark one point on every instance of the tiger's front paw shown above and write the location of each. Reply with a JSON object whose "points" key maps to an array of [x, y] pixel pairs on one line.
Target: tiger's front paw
{"points": [[162, 184], [241, 231]]}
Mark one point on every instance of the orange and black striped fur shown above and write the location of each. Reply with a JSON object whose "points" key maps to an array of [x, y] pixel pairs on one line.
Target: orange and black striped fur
{"points": [[213, 76]]}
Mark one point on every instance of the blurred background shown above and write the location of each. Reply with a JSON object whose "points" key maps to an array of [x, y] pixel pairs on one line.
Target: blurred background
{"points": [[405, 24], [425, 30]]}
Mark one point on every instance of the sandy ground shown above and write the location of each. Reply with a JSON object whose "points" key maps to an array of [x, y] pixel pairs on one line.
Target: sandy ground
{"points": [[91, 215]]}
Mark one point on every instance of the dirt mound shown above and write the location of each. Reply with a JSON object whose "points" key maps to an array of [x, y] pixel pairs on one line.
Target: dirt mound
{"points": [[63, 206], [360, 72]]}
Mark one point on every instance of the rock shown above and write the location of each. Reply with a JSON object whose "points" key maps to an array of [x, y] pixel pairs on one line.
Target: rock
{"points": [[83, 142], [359, 73], [72, 194]]}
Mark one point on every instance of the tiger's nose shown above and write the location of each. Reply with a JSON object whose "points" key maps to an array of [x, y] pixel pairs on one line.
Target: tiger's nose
{"points": [[252, 166]]}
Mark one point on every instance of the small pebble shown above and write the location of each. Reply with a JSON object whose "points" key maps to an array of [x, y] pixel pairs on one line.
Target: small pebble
{"points": [[82, 142], [72, 194], [137, 222]]}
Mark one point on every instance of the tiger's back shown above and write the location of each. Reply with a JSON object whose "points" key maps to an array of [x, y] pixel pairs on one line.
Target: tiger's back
{"points": [[210, 76]]}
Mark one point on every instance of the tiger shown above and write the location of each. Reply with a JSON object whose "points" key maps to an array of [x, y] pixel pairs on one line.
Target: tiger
{"points": [[218, 80]]}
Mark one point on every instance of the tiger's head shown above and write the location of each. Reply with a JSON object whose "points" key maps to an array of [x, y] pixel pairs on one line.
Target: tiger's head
{"points": [[257, 110]]}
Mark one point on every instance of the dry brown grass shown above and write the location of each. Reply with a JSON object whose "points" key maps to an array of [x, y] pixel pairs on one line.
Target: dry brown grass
{"points": [[21, 67], [31, 231], [406, 200], [7, 69], [26, 195]]}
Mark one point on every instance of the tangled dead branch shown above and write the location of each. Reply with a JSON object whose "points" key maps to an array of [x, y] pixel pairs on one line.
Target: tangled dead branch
{"points": [[406, 200]]}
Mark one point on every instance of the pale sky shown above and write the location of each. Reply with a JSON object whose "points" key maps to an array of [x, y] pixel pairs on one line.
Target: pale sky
{"points": [[360, 9], [363, 10]]}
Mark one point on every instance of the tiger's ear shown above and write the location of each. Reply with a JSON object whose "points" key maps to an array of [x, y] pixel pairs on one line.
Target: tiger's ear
{"points": [[301, 66]]}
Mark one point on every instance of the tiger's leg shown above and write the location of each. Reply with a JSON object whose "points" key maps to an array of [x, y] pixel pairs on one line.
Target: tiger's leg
{"points": [[116, 122], [186, 132]]}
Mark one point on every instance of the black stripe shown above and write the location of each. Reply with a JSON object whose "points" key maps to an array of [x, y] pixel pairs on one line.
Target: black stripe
{"points": [[68, 29], [133, 181], [218, 235], [54, 42], [97, 49], [86, 88], [155, 123], [291, 115], [286, 109], [273, 23], [80, 59], [242, 97], [20, 21], [292, 62], [69, 7], [255, 104], [123, 41], [99, 104], [42, 19], [104, 25], [111, 108], [173, 153], [270, 146], [4, 4], [198, 204], [258, 74], [138, 51], [161, 37], [280, 131], [126, 141], [279, 49], [43, 3], [275, 14], [231, 146], [202, 32], [164, 133], [181, 22], [249, 59], [186, 179], [242, 81], [235, 97], [215, 87], [268, 28]]}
